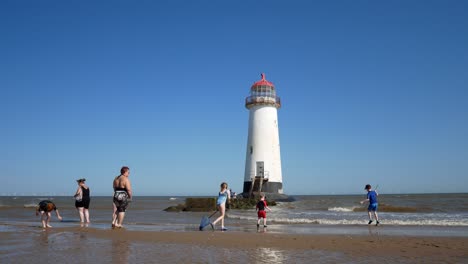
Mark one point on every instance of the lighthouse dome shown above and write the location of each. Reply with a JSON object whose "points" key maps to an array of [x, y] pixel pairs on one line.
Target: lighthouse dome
{"points": [[262, 92], [262, 82]]}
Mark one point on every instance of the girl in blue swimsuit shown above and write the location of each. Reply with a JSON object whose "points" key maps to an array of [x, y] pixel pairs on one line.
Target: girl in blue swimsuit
{"points": [[223, 196]]}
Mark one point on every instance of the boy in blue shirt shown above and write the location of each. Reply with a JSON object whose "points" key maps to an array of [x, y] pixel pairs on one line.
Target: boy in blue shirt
{"points": [[373, 204]]}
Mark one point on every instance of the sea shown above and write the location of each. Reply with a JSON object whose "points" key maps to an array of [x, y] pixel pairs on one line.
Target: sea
{"points": [[307, 212], [400, 214]]}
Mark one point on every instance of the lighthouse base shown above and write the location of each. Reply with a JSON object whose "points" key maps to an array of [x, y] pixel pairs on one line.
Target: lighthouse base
{"points": [[267, 187]]}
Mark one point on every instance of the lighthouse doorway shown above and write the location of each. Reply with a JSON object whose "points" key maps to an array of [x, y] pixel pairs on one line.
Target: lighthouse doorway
{"points": [[260, 169]]}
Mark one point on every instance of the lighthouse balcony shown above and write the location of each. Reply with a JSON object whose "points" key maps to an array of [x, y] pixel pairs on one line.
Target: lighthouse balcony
{"points": [[263, 100], [265, 175]]}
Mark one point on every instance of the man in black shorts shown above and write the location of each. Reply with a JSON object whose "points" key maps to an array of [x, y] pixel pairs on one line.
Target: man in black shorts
{"points": [[122, 196]]}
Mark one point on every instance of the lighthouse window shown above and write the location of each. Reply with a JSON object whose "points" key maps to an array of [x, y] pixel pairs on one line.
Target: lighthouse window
{"points": [[251, 149]]}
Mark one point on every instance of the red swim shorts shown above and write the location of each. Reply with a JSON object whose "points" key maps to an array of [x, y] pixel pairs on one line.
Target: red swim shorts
{"points": [[261, 214]]}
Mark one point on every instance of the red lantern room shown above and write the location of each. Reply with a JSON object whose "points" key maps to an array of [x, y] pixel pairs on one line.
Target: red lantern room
{"points": [[262, 92]]}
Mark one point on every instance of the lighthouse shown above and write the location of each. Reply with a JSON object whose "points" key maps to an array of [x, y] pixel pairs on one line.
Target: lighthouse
{"points": [[263, 160]]}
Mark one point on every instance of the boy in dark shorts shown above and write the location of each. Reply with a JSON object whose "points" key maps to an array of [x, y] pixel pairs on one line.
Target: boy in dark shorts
{"points": [[373, 204], [45, 207], [261, 213]]}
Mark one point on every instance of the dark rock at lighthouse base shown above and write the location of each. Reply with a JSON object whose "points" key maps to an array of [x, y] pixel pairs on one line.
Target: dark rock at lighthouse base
{"points": [[278, 197]]}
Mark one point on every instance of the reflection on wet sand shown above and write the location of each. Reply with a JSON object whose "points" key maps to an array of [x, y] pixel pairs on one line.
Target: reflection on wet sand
{"points": [[269, 255], [373, 231], [120, 251]]}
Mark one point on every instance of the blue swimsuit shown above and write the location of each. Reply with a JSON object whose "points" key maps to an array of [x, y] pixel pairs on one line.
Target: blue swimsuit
{"points": [[222, 197]]}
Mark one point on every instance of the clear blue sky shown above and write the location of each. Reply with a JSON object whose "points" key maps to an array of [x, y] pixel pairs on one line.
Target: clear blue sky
{"points": [[373, 92]]}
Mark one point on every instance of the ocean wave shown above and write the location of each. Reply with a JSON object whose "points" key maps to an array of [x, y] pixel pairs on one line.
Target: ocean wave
{"points": [[342, 209], [382, 208], [391, 208], [36, 201], [322, 221], [430, 222]]}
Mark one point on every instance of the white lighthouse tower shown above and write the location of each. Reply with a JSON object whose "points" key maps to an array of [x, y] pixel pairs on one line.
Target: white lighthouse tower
{"points": [[263, 160]]}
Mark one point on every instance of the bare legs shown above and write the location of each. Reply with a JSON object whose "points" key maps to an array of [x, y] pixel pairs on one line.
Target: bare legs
{"points": [[376, 217], [114, 215], [120, 218], [222, 209], [264, 221], [80, 212], [117, 218], [86, 215], [264, 224], [45, 218]]}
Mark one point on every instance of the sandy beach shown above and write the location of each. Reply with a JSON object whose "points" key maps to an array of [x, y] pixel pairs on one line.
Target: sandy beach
{"points": [[312, 229], [382, 245], [69, 243], [350, 244]]}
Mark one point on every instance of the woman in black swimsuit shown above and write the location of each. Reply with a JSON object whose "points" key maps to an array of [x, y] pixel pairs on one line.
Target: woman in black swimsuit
{"points": [[82, 200]]}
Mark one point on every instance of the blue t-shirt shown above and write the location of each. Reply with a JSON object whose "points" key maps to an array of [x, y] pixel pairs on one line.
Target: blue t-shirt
{"points": [[372, 196]]}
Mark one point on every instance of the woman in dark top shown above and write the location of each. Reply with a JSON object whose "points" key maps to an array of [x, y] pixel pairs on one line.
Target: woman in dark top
{"points": [[82, 200]]}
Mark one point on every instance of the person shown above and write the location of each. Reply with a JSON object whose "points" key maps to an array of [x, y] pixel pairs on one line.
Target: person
{"points": [[261, 212], [122, 196], [232, 193], [223, 197], [82, 200], [373, 204], [44, 208]]}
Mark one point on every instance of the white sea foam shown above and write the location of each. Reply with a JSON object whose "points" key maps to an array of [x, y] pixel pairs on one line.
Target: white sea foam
{"points": [[322, 221], [342, 209]]}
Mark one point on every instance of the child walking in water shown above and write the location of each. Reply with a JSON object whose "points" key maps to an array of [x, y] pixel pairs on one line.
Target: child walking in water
{"points": [[223, 197], [261, 213], [373, 204]]}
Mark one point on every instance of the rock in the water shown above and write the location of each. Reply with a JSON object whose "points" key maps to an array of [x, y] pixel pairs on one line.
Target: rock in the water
{"points": [[194, 205]]}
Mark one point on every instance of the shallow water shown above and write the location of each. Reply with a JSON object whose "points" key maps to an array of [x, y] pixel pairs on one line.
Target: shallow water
{"points": [[74, 247], [307, 213], [23, 241]]}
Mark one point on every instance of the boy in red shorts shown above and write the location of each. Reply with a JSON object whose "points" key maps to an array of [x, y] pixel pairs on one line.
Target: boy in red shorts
{"points": [[261, 213]]}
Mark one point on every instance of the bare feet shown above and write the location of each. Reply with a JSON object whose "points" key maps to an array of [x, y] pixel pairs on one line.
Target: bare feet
{"points": [[49, 225]]}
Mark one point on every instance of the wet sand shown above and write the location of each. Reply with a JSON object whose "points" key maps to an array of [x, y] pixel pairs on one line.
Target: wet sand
{"points": [[65, 243], [351, 244]]}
